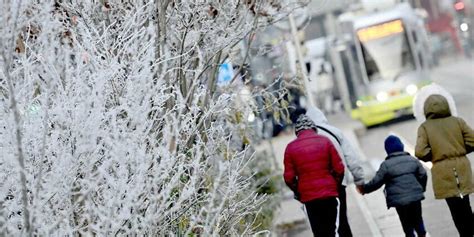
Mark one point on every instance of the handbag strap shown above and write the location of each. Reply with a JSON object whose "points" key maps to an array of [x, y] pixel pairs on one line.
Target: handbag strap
{"points": [[329, 132]]}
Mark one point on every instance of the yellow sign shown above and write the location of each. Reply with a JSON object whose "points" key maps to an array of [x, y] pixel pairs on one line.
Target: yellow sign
{"points": [[380, 31]]}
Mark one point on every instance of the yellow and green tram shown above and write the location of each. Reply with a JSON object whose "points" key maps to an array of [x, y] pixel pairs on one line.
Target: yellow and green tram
{"points": [[381, 60]]}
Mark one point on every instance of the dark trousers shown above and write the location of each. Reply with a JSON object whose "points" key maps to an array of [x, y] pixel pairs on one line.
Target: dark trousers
{"points": [[344, 229], [411, 219], [322, 215], [462, 215]]}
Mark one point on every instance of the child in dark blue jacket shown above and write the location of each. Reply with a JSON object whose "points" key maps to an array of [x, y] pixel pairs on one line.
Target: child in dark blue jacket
{"points": [[405, 181]]}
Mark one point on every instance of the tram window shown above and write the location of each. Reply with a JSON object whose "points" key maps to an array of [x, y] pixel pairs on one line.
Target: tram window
{"points": [[387, 57], [370, 64]]}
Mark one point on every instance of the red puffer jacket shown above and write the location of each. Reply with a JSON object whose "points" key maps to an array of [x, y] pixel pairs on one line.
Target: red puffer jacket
{"points": [[312, 160]]}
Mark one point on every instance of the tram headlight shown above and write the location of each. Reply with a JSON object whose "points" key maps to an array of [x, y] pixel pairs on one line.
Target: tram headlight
{"points": [[382, 96], [411, 89]]}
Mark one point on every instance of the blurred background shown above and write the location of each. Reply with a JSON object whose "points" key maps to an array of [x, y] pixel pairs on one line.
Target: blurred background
{"points": [[365, 57], [362, 62]]}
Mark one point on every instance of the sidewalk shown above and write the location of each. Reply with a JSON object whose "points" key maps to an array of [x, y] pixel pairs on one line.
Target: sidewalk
{"points": [[368, 214]]}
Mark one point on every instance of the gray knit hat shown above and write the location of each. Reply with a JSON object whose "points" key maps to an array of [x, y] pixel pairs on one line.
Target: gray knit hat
{"points": [[304, 122]]}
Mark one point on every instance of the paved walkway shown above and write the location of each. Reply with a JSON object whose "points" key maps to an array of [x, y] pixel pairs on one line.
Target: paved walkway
{"points": [[368, 215]]}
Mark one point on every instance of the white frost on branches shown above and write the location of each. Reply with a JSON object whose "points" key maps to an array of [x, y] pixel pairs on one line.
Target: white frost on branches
{"points": [[112, 122]]}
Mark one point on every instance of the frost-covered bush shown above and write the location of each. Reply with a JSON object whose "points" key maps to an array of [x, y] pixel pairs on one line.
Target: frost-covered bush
{"points": [[112, 122]]}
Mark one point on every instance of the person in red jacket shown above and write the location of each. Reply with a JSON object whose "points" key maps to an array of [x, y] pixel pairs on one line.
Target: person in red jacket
{"points": [[313, 170]]}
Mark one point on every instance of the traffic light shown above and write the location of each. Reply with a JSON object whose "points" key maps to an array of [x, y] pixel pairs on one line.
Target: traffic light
{"points": [[460, 7]]}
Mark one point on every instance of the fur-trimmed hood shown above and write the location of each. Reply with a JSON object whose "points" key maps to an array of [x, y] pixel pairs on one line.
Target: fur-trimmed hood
{"points": [[422, 97]]}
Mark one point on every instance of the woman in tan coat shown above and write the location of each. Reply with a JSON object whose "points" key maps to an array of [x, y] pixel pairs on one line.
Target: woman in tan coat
{"points": [[445, 140]]}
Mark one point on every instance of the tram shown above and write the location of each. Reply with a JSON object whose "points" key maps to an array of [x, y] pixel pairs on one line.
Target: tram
{"points": [[381, 59]]}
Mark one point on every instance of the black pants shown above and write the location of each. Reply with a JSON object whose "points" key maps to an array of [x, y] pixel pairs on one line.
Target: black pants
{"points": [[411, 219], [322, 214], [462, 215], [344, 229]]}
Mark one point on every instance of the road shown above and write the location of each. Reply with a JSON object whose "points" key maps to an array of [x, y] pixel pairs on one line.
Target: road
{"points": [[458, 78]]}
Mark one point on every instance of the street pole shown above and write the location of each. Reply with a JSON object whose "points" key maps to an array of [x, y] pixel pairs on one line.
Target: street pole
{"points": [[335, 55], [300, 61]]}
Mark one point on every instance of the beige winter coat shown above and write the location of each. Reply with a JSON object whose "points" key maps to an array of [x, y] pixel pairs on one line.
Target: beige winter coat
{"points": [[445, 140]]}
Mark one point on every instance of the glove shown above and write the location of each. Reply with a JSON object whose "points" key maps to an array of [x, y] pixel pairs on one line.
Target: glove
{"points": [[296, 195]]}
